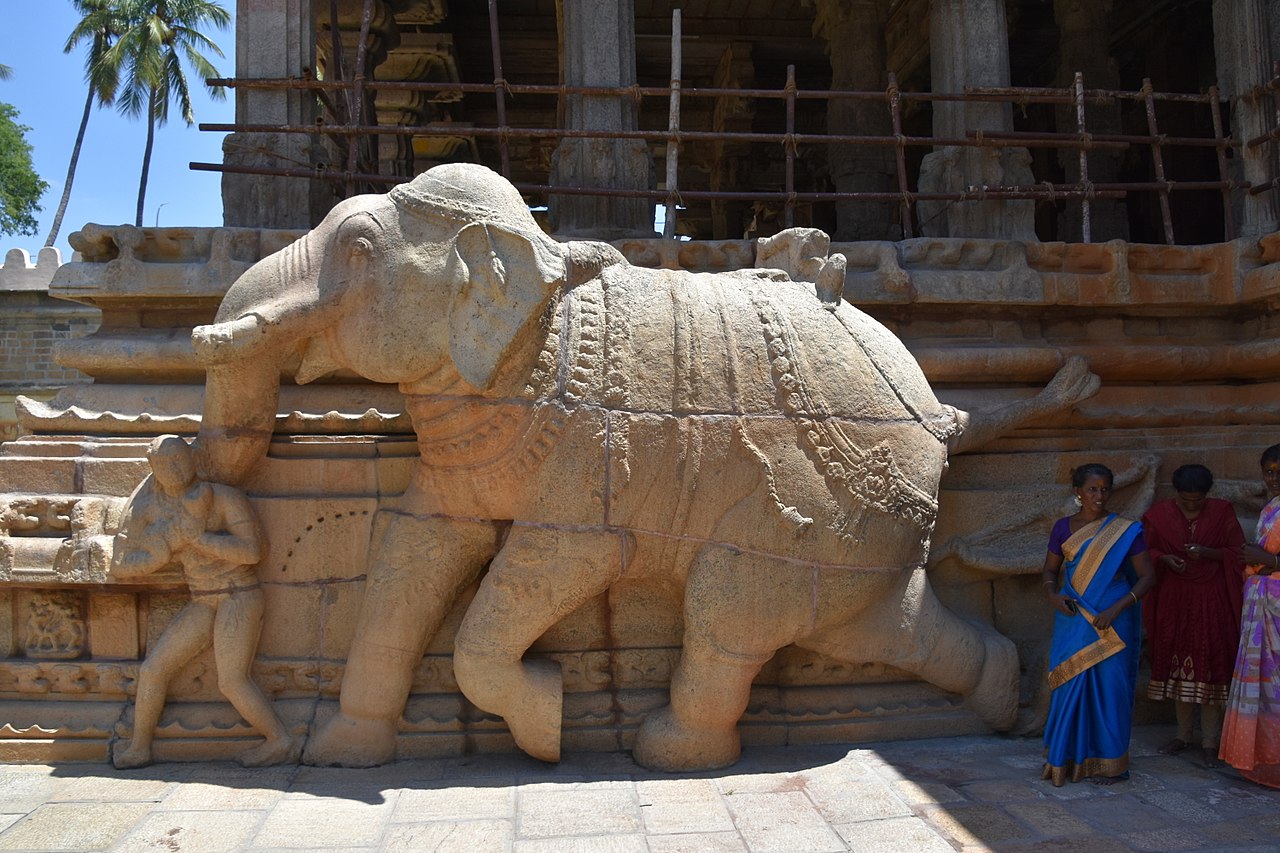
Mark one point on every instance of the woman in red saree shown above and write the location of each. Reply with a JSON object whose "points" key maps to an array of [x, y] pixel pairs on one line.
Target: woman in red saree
{"points": [[1193, 615], [1251, 728]]}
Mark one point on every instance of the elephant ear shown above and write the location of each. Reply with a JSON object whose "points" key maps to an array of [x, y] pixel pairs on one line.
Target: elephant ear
{"points": [[510, 277]]}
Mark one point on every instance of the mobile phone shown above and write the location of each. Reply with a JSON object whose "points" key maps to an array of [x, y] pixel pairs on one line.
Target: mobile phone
{"points": [[1073, 607]]}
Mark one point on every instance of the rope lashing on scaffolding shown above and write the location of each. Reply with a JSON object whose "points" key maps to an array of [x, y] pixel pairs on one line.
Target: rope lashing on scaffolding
{"points": [[1089, 191], [1051, 190], [636, 94]]}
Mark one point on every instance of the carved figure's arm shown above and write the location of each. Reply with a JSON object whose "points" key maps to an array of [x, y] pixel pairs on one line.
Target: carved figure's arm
{"points": [[237, 538], [141, 554]]}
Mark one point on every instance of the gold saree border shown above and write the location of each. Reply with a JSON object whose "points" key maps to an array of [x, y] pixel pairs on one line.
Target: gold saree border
{"points": [[1073, 543], [1078, 772], [1098, 550], [1107, 644]]}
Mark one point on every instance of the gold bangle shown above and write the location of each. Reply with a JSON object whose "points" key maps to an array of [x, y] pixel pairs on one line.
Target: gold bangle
{"points": [[1135, 598]]}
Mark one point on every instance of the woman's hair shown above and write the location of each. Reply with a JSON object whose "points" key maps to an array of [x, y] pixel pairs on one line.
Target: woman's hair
{"points": [[1091, 469], [1195, 479], [1271, 454]]}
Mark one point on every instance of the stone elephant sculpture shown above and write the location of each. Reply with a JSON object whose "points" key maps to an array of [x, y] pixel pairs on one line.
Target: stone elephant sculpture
{"points": [[771, 448]]}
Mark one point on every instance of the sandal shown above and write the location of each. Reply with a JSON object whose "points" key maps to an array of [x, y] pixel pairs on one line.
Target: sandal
{"points": [[1174, 747], [1211, 757]]}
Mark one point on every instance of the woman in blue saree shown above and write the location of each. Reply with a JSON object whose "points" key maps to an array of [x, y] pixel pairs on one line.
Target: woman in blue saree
{"points": [[1096, 571]]}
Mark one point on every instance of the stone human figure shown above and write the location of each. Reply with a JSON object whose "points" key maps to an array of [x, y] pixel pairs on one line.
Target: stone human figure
{"points": [[212, 532]]}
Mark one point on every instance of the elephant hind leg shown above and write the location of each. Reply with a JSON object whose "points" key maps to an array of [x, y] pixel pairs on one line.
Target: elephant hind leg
{"points": [[739, 610], [539, 577], [912, 630]]}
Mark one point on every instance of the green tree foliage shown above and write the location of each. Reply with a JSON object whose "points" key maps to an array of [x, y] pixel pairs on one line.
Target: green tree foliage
{"points": [[162, 36], [20, 186]]}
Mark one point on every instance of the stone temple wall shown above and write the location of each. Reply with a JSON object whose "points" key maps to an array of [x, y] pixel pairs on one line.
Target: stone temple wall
{"points": [[31, 322], [1182, 337]]}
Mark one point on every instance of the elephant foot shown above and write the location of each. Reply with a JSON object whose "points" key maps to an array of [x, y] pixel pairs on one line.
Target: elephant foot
{"points": [[995, 697], [537, 710], [348, 742], [127, 757], [279, 750], [664, 742]]}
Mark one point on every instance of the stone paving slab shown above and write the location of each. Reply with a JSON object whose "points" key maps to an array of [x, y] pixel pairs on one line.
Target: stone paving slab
{"points": [[932, 796]]}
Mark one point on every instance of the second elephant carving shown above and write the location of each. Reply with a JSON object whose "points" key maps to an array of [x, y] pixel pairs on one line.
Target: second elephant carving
{"points": [[749, 437]]}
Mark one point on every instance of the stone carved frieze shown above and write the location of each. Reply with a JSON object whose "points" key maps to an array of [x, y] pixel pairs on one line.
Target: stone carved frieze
{"points": [[56, 537], [55, 626], [744, 437], [947, 290], [211, 531]]}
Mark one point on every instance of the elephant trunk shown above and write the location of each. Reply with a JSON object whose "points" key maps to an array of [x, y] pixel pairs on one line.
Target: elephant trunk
{"points": [[240, 401], [265, 313]]}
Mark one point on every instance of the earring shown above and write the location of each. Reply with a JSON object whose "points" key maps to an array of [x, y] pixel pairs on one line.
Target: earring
{"points": [[1079, 503]]}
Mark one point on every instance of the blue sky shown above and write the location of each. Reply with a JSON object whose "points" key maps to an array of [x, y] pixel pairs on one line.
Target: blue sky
{"points": [[48, 89]]}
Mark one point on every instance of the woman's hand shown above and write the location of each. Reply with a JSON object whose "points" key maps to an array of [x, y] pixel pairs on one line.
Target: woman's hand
{"points": [[1204, 552], [1059, 602], [1106, 617], [1177, 565], [1256, 556]]}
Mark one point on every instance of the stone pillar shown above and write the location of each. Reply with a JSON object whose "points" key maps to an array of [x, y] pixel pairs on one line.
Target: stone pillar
{"points": [[274, 39], [1242, 45], [854, 33], [1273, 26], [420, 57], [383, 36], [597, 48], [1083, 47], [969, 46], [731, 159]]}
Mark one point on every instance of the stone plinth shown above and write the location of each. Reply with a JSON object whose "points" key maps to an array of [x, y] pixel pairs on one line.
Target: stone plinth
{"points": [[989, 321]]}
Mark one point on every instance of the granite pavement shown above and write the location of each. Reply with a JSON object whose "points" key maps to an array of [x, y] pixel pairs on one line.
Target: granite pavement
{"points": [[962, 793]]}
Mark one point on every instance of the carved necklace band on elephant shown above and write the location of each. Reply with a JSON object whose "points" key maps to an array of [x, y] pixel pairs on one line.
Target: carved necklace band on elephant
{"points": [[871, 477]]}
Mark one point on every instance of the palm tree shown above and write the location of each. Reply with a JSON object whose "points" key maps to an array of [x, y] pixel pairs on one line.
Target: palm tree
{"points": [[5, 72], [100, 24], [161, 35]]}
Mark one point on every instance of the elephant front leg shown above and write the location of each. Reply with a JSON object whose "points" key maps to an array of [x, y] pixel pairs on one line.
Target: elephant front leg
{"points": [[739, 610], [417, 568], [539, 577]]}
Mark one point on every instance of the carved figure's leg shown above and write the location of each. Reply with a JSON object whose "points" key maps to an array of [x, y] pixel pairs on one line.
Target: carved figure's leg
{"points": [[184, 638], [739, 610], [235, 640], [909, 628], [417, 567], [538, 578]]}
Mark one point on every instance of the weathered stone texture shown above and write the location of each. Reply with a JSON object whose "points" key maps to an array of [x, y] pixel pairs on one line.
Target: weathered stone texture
{"points": [[988, 321]]}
